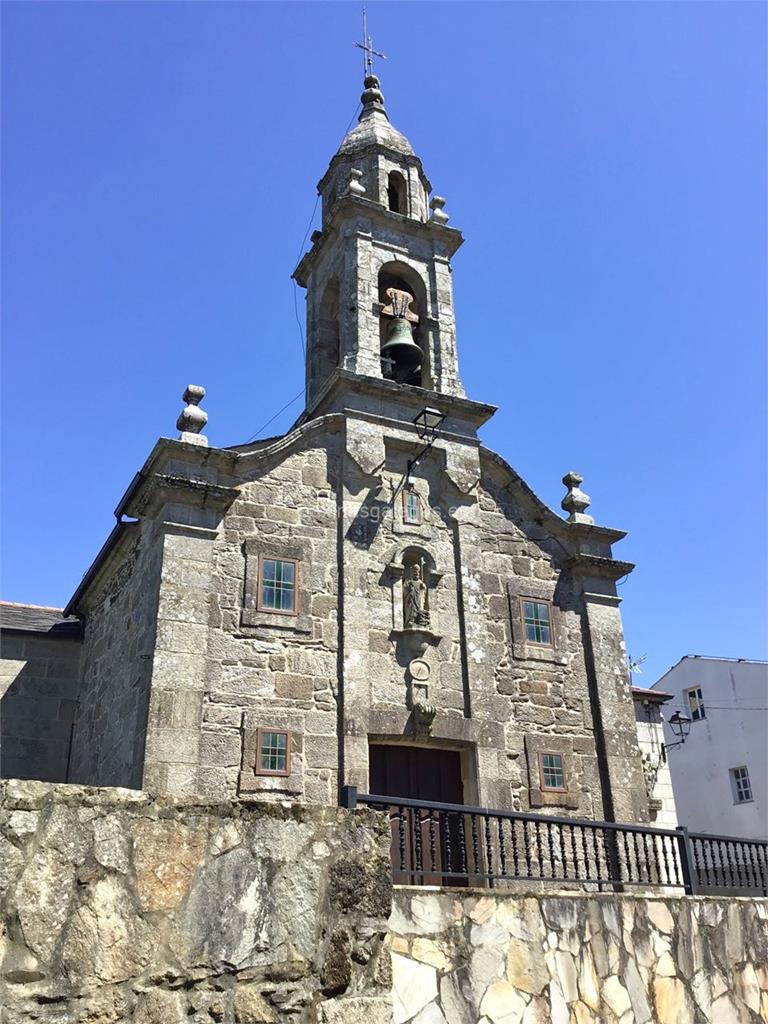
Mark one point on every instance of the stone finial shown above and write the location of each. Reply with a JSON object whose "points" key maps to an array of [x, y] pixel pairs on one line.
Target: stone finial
{"points": [[192, 418], [576, 501], [372, 98], [355, 186], [438, 215]]}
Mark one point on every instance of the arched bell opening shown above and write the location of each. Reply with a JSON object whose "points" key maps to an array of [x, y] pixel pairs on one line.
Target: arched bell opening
{"points": [[397, 193], [402, 328], [325, 357]]}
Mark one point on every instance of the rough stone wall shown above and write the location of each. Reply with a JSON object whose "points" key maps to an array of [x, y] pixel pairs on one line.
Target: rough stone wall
{"points": [[541, 694], [337, 673], [117, 907], [120, 625], [267, 670], [501, 958], [39, 678]]}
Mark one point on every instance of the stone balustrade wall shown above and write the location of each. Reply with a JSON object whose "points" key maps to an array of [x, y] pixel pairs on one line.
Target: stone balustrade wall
{"points": [[120, 907], [475, 957]]}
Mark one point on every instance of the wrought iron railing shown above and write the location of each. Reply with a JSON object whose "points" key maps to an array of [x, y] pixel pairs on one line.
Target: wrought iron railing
{"points": [[454, 845]]}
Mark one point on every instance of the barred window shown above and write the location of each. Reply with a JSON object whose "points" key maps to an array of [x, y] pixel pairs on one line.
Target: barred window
{"points": [[273, 752], [277, 585], [537, 622], [552, 771]]}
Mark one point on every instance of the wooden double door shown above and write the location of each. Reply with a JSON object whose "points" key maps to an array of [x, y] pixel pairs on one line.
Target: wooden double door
{"points": [[428, 846]]}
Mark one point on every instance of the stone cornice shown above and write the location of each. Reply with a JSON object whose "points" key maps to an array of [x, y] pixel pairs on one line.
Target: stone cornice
{"points": [[574, 534], [598, 567], [587, 532], [160, 488], [410, 399], [222, 459], [349, 207], [120, 532], [299, 431]]}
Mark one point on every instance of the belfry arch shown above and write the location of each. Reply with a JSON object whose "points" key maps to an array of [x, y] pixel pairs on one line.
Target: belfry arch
{"points": [[404, 320], [397, 193], [325, 357]]}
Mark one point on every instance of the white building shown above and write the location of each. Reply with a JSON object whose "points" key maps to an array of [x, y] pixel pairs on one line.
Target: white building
{"points": [[650, 736], [720, 771]]}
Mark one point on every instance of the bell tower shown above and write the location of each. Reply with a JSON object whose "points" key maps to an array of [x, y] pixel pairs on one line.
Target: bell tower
{"points": [[378, 275]]}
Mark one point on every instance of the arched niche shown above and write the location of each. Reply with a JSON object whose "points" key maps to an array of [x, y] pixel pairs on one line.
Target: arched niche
{"points": [[325, 357], [415, 554], [404, 278], [418, 635], [397, 193]]}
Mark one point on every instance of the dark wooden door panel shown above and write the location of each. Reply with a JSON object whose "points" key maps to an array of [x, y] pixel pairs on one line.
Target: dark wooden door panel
{"points": [[423, 845]]}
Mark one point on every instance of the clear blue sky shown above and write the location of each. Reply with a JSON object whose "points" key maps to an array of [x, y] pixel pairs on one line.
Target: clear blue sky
{"points": [[605, 161]]}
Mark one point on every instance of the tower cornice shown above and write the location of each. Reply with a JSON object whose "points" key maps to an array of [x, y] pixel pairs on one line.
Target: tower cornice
{"points": [[406, 159], [350, 206], [347, 391]]}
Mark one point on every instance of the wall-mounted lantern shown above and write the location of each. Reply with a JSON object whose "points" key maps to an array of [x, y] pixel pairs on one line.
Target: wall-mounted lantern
{"points": [[680, 726], [428, 423]]}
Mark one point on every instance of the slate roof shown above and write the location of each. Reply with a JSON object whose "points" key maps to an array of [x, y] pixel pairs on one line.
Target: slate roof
{"points": [[654, 696], [35, 618]]}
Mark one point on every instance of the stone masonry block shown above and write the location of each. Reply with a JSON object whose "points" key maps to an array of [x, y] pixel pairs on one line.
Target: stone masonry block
{"points": [[320, 751], [220, 749], [294, 687]]}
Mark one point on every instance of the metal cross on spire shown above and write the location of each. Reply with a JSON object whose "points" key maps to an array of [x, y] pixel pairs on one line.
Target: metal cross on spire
{"points": [[367, 47]]}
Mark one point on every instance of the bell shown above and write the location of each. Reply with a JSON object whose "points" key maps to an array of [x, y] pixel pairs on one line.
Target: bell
{"points": [[400, 348]]}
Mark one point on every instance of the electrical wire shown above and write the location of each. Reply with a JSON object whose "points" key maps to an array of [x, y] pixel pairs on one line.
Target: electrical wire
{"points": [[718, 707], [295, 297]]}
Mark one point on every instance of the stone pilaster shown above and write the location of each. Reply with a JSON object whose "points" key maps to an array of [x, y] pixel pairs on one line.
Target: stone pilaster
{"points": [[620, 761], [187, 507], [174, 725]]}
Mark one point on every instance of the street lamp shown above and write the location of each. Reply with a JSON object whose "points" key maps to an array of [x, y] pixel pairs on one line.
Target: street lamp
{"points": [[680, 726], [428, 423]]}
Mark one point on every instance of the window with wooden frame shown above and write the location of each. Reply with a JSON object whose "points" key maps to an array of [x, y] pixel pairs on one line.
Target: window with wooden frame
{"points": [[278, 585], [695, 700], [552, 772], [537, 621], [411, 508], [273, 752], [741, 786]]}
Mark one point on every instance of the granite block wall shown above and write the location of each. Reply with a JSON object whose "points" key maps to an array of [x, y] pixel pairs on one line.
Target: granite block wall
{"points": [[181, 666], [118, 647], [272, 670], [39, 679]]}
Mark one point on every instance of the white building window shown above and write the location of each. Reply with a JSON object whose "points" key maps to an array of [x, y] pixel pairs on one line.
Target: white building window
{"points": [[741, 786], [695, 700]]}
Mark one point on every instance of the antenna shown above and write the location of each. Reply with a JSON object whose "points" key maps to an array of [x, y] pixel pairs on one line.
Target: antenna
{"points": [[634, 665]]}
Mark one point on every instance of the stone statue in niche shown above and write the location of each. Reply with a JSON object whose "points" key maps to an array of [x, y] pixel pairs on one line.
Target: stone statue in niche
{"points": [[415, 599]]}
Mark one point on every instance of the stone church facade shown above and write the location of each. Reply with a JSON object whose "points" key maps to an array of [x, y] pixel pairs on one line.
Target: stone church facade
{"points": [[373, 598]]}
